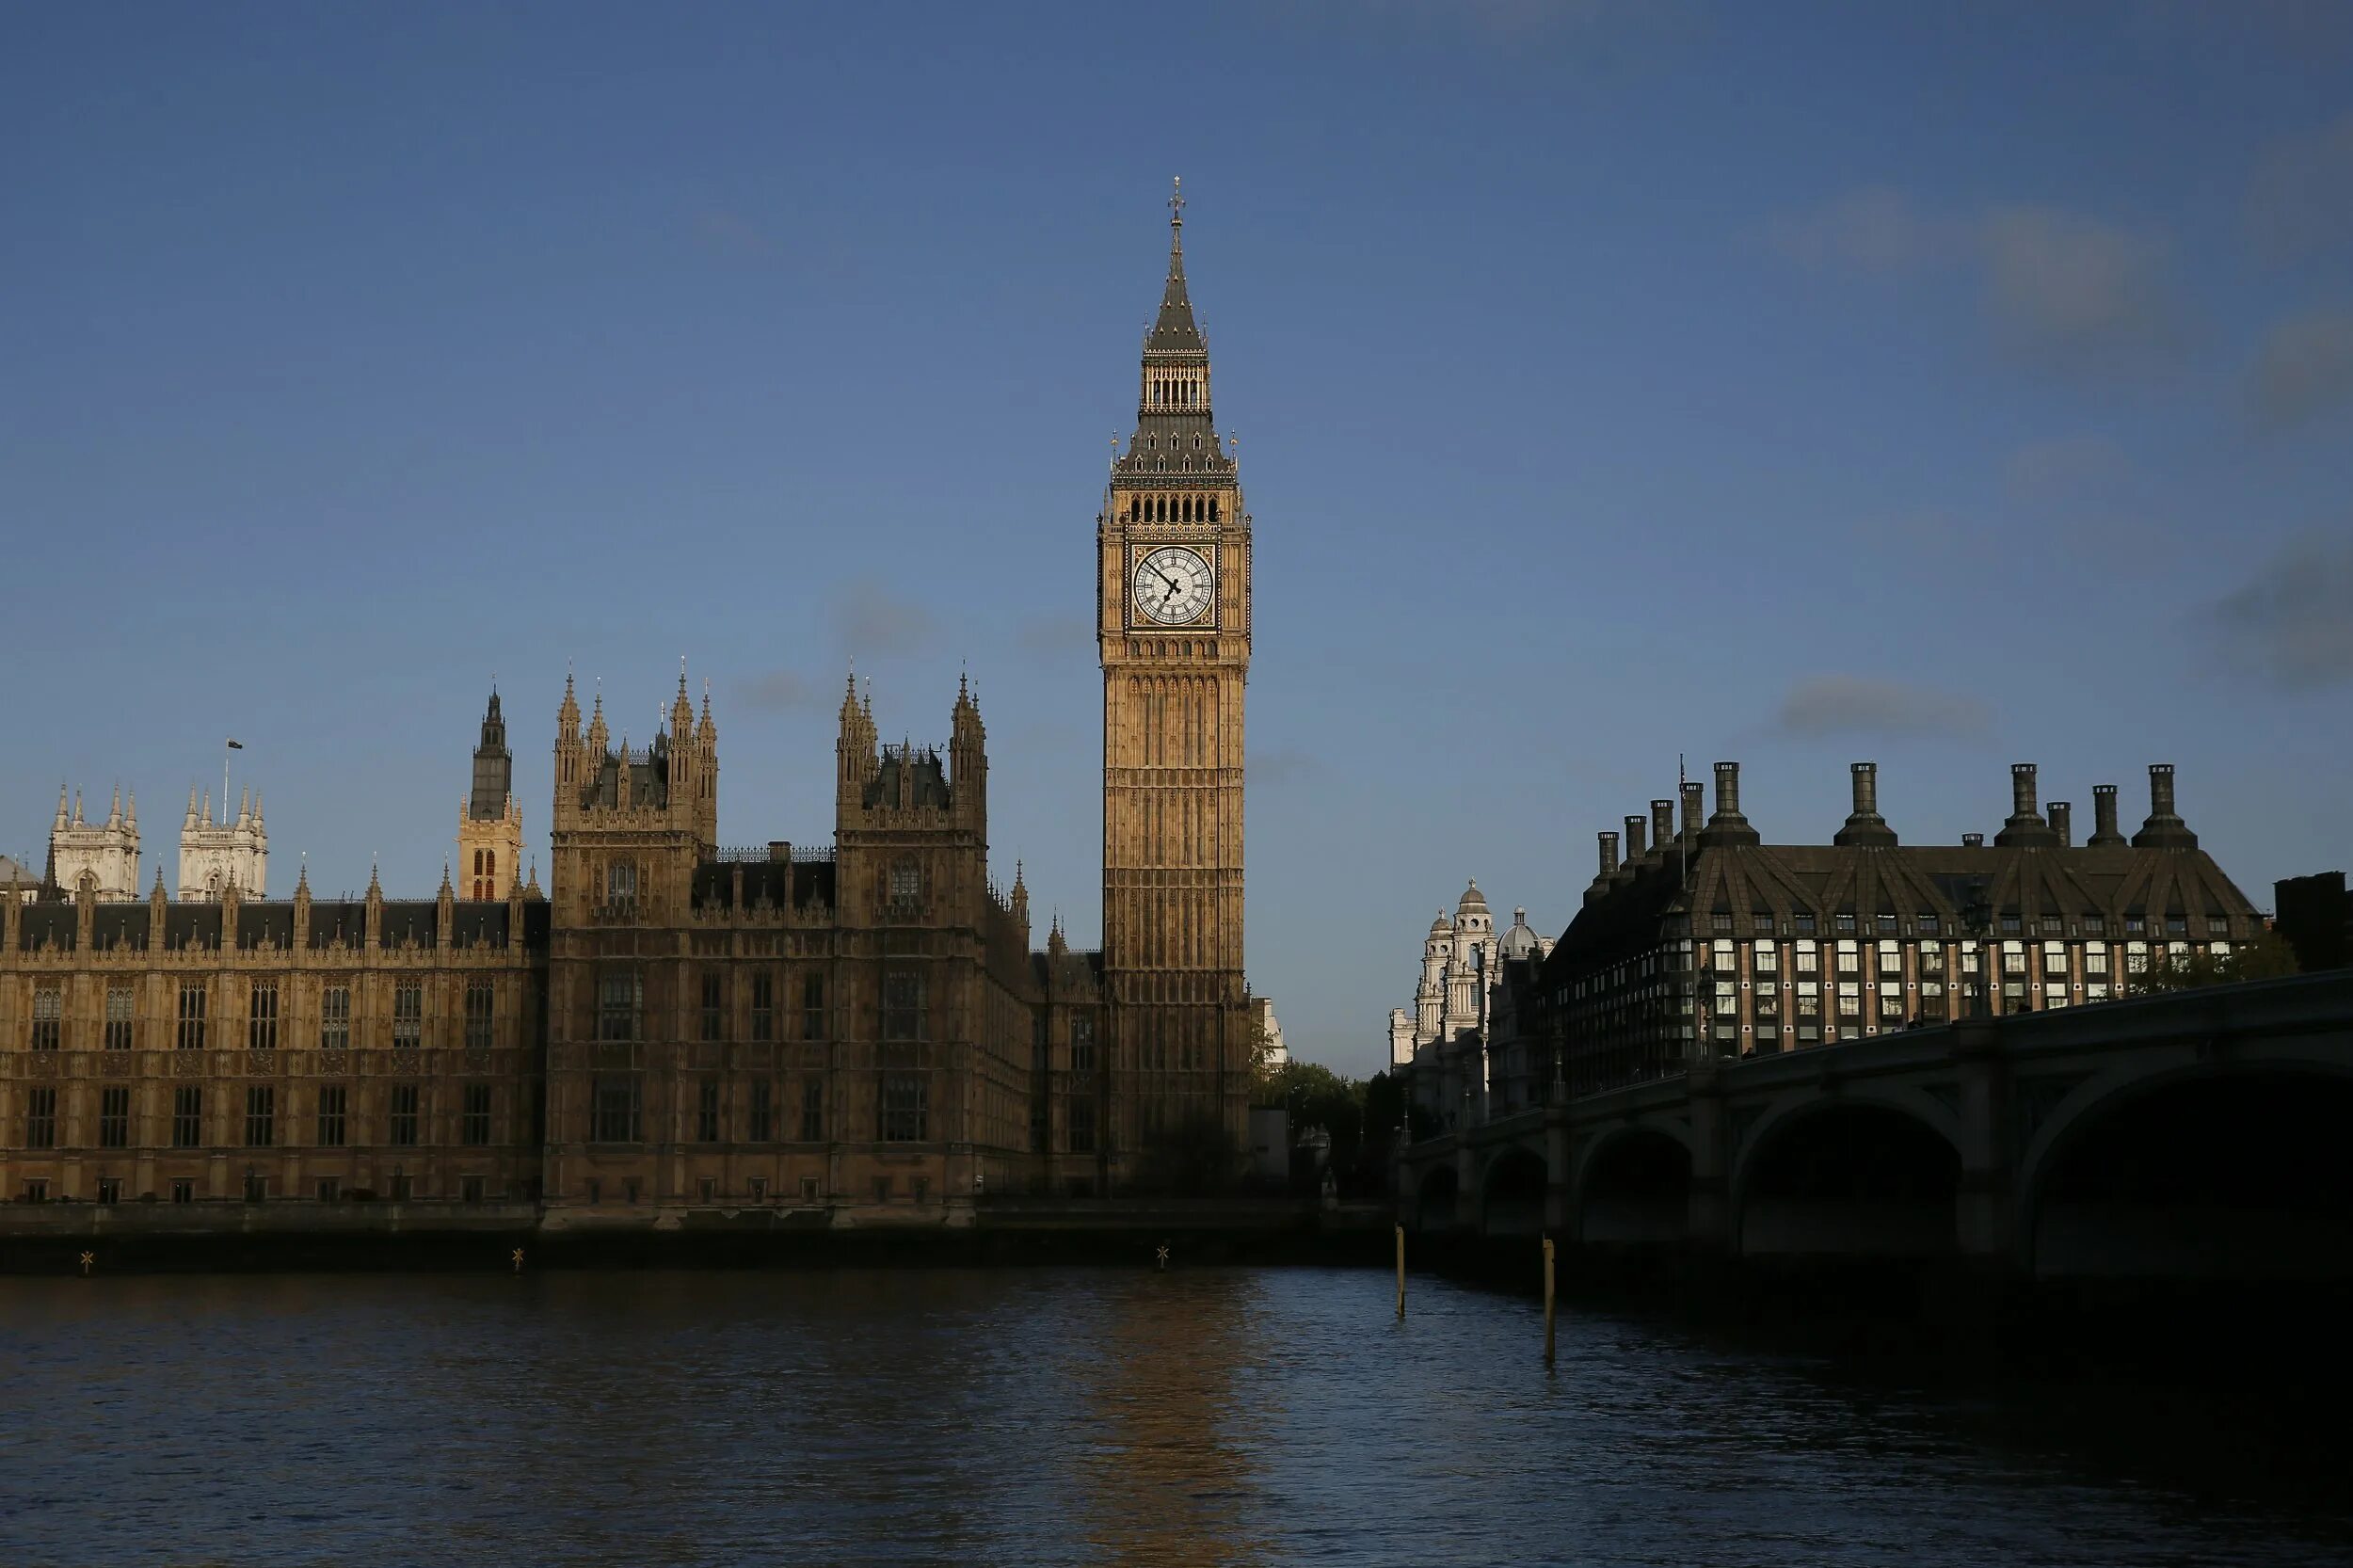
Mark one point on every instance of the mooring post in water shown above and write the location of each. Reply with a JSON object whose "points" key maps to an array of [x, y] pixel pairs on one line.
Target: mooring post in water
{"points": [[1548, 1300], [1400, 1273]]}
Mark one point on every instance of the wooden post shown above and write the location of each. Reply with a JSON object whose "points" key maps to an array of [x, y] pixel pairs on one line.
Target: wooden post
{"points": [[1400, 1273], [1548, 1300]]}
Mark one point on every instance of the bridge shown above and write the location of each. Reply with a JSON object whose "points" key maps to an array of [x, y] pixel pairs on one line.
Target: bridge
{"points": [[2203, 1134]]}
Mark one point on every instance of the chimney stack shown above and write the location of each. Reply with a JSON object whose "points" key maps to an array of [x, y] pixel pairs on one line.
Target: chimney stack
{"points": [[1864, 826], [2026, 827], [1973, 840], [2104, 830], [1662, 825], [2164, 828], [1728, 827], [1634, 827], [1609, 854], [1694, 803], [2063, 822]]}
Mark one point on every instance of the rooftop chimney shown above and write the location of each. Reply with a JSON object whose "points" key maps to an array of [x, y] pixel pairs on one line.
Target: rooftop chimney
{"points": [[1728, 827], [1662, 825], [2164, 828], [1694, 803], [1973, 840], [1634, 827], [1609, 852], [1864, 826], [2063, 822], [2103, 831], [2026, 827]]}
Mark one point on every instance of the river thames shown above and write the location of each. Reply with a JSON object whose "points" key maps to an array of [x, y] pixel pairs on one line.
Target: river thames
{"points": [[1276, 1415]]}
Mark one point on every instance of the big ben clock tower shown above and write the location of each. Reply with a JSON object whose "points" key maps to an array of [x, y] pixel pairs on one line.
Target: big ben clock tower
{"points": [[1172, 622]]}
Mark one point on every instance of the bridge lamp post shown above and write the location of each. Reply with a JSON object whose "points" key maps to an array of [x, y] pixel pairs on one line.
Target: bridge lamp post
{"points": [[1977, 915]]}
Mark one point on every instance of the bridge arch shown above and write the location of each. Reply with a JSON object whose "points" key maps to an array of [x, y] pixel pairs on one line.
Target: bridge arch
{"points": [[1633, 1185], [2233, 1170], [1435, 1199], [1850, 1175], [1512, 1193]]}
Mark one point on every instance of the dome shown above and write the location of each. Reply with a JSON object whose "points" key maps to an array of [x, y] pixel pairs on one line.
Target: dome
{"points": [[1519, 942], [1441, 926], [1472, 899]]}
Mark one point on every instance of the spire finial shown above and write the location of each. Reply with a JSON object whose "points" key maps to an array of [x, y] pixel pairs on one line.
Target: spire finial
{"points": [[1177, 207]]}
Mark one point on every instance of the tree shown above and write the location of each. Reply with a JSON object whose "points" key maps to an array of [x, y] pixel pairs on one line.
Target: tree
{"points": [[2268, 956]]}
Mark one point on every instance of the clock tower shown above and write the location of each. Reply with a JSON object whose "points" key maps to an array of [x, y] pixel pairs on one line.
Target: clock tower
{"points": [[1172, 623]]}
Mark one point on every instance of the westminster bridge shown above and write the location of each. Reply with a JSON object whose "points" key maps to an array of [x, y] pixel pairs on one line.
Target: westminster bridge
{"points": [[2201, 1134]]}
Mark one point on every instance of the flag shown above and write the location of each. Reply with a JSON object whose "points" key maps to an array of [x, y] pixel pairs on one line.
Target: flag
{"points": [[236, 746]]}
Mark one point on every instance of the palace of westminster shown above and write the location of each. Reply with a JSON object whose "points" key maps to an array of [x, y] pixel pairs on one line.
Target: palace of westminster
{"points": [[858, 1033]]}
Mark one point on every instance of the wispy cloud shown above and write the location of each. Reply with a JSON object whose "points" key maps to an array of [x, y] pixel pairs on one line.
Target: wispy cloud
{"points": [[1822, 706], [778, 690], [2289, 624], [1281, 765], [2063, 291], [2066, 469], [2300, 202], [1053, 637], [2079, 294], [2304, 369], [869, 620]]}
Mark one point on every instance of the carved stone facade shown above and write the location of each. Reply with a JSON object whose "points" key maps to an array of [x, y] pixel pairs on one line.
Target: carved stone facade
{"points": [[489, 819], [108, 853], [1173, 620], [219, 857], [852, 1034]]}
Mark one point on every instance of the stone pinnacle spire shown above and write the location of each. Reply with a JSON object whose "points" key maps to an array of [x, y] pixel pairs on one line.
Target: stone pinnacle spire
{"points": [[1174, 331]]}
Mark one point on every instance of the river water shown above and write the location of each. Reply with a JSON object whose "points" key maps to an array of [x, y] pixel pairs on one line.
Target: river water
{"points": [[1276, 1415]]}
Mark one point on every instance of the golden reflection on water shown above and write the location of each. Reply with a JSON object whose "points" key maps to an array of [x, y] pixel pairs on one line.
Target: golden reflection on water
{"points": [[1171, 1481]]}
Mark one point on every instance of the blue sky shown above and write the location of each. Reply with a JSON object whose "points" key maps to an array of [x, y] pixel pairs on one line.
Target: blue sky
{"points": [[1948, 385]]}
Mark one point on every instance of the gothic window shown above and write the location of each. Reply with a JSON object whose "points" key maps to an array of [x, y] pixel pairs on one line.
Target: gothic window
{"points": [[1081, 1126], [812, 1007], [48, 1014], [903, 1004], [1082, 1041], [191, 1036], [905, 1108], [403, 1129], [763, 1111], [119, 1016], [477, 863], [615, 1101], [1212, 508], [40, 1119], [261, 1115], [261, 1024], [907, 888], [407, 1016], [481, 1009], [813, 1110], [713, 1012], [114, 1117], [621, 883], [335, 1017], [187, 1118], [706, 1112], [620, 996], [333, 1099], [764, 1006]]}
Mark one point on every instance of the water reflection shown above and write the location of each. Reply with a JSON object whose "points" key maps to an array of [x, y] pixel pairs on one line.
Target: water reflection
{"points": [[1043, 1416]]}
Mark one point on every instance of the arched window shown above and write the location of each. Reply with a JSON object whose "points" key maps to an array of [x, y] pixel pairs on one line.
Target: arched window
{"points": [[1212, 508], [491, 866]]}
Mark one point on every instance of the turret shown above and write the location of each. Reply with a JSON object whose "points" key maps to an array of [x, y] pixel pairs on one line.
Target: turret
{"points": [[1728, 827], [2025, 828]]}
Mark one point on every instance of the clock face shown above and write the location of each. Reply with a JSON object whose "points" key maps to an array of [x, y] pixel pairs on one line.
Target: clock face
{"points": [[1173, 586]]}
